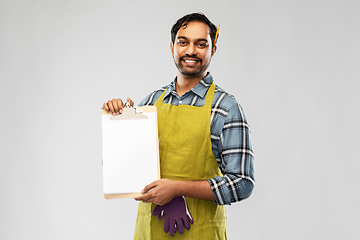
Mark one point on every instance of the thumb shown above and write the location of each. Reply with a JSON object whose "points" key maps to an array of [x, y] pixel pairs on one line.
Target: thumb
{"points": [[148, 188], [130, 101]]}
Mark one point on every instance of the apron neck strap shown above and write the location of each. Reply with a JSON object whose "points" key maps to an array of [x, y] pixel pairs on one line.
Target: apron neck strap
{"points": [[208, 98]]}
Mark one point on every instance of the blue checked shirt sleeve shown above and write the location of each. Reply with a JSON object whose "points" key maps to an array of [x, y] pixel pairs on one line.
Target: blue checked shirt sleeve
{"points": [[233, 152]]}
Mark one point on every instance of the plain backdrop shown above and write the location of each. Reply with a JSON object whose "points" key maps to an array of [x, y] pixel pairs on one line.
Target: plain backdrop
{"points": [[292, 65]]}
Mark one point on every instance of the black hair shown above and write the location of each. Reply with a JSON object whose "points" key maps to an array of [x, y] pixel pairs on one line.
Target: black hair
{"points": [[193, 17]]}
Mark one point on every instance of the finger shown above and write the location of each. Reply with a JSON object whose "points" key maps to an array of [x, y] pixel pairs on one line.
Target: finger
{"points": [[106, 107], [187, 223], [180, 225], [130, 101], [109, 103], [157, 210], [143, 199], [115, 104], [146, 198], [120, 104], [166, 224], [191, 220], [172, 227]]}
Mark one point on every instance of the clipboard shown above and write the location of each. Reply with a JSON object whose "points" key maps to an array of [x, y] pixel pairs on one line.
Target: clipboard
{"points": [[130, 149]]}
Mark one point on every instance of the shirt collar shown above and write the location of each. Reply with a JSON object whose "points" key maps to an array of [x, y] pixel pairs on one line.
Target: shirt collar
{"points": [[200, 89]]}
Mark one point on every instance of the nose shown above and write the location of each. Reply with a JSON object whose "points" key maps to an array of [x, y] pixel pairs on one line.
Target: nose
{"points": [[191, 50]]}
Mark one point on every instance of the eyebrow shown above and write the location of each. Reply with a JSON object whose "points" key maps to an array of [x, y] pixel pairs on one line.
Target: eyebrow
{"points": [[197, 40]]}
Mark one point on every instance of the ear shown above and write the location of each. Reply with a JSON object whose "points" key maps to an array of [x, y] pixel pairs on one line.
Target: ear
{"points": [[172, 49], [213, 51]]}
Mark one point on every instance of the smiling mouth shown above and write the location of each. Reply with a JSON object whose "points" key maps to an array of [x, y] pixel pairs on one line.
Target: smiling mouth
{"points": [[190, 61]]}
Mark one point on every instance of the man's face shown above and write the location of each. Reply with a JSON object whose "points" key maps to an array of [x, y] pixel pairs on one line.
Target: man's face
{"points": [[192, 50]]}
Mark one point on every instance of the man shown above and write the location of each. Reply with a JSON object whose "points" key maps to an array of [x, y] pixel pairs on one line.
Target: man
{"points": [[204, 141]]}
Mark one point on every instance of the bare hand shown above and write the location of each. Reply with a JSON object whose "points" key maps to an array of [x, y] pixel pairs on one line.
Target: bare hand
{"points": [[115, 106], [159, 192]]}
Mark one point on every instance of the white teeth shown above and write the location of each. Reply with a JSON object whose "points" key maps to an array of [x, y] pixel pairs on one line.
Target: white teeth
{"points": [[190, 61]]}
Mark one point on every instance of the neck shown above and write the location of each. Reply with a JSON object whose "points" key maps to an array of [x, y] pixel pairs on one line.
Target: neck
{"points": [[185, 84]]}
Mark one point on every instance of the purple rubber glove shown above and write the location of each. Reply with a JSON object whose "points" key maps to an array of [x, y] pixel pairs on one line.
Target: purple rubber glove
{"points": [[176, 214]]}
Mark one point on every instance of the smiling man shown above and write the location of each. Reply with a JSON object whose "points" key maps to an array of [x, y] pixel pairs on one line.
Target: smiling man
{"points": [[192, 49], [206, 156]]}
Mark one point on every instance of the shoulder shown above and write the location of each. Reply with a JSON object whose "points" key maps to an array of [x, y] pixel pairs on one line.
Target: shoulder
{"points": [[223, 102], [151, 98]]}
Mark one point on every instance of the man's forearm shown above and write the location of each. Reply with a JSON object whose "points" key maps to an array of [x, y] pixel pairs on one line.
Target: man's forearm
{"points": [[163, 191], [195, 189]]}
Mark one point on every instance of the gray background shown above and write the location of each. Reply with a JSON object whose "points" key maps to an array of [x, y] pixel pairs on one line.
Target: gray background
{"points": [[293, 66]]}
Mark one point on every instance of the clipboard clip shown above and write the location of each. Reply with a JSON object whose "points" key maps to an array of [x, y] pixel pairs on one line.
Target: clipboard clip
{"points": [[129, 112]]}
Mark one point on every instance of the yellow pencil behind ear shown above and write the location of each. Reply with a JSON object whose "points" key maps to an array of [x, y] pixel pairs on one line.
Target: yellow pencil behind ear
{"points": [[216, 34]]}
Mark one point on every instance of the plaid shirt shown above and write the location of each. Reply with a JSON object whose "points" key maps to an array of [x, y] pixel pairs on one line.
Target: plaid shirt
{"points": [[230, 138]]}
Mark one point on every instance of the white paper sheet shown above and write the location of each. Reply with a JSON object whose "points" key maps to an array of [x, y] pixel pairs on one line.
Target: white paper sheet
{"points": [[129, 154]]}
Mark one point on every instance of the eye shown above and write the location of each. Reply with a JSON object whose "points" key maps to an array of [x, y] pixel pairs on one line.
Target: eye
{"points": [[181, 42], [202, 45]]}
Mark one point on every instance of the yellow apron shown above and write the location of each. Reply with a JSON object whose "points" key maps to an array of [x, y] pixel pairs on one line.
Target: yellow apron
{"points": [[185, 154]]}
